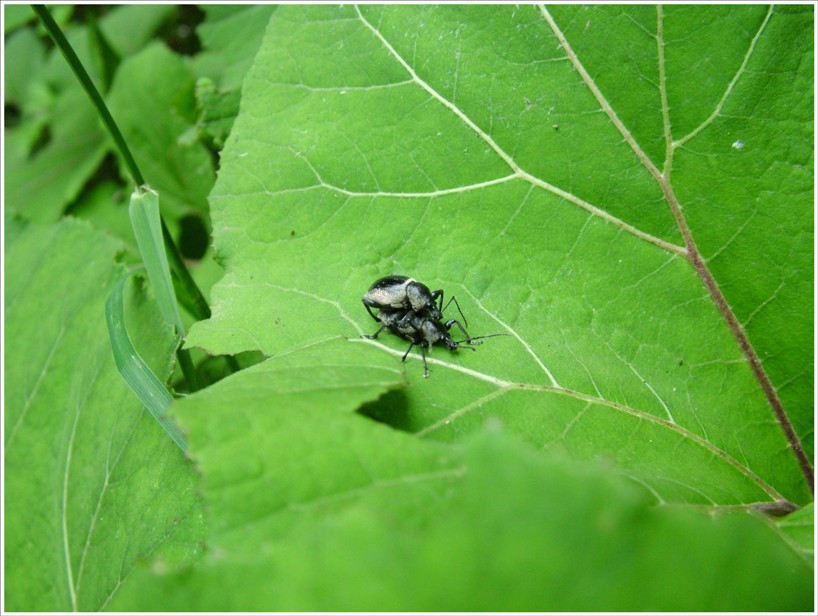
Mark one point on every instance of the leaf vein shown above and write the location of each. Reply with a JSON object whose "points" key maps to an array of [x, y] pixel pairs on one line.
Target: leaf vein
{"points": [[729, 90], [514, 333], [517, 170], [35, 388], [597, 93]]}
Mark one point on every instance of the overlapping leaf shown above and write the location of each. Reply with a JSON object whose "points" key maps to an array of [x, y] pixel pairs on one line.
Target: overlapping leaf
{"points": [[316, 508]]}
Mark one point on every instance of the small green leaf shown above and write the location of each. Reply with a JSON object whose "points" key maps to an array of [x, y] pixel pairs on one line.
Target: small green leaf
{"points": [[129, 28], [230, 40], [41, 184], [217, 110], [24, 54], [15, 15], [800, 528]]}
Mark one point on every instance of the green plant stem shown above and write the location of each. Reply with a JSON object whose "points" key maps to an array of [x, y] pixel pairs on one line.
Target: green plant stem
{"points": [[189, 370], [79, 70], [198, 304]]}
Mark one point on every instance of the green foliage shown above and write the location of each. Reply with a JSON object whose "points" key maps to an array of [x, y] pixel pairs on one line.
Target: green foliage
{"points": [[231, 36], [551, 168], [801, 529], [60, 143], [42, 181], [320, 509], [93, 484], [152, 99], [617, 351]]}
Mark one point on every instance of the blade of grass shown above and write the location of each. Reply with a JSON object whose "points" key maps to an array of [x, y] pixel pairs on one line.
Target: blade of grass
{"points": [[145, 220], [147, 227], [197, 304], [144, 383]]}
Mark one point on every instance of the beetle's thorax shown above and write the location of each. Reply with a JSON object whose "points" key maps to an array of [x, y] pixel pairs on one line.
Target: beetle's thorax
{"points": [[418, 295]]}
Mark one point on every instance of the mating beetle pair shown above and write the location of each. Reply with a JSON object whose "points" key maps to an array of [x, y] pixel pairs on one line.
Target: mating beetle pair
{"points": [[408, 309]]}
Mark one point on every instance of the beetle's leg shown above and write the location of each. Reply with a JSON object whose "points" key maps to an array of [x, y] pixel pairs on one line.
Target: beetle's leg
{"points": [[375, 335], [462, 316], [458, 344], [369, 310], [425, 367], [403, 320], [422, 355], [403, 359], [451, 322], [438, 295]]}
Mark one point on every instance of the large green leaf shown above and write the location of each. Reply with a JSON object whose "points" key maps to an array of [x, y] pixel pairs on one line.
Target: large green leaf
{"points": [[626, 191], [552, 168], [316, 508], [92, 483]]}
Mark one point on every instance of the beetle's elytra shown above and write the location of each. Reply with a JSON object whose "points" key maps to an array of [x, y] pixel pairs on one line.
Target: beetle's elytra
{"points": [[401, 293]]}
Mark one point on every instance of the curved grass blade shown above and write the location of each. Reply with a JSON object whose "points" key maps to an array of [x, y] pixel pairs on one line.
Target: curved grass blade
{"points": [[144, 383]]}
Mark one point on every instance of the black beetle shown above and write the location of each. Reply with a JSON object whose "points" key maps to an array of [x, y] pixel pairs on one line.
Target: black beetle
{"points": [[402, 293], [422, 331]]}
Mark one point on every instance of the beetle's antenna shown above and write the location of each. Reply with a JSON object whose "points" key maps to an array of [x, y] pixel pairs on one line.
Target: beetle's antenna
{"points": [[481, 337], [489, 336]]}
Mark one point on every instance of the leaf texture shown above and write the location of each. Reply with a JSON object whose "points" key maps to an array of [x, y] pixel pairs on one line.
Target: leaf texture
{"points": [[576, 177]]}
